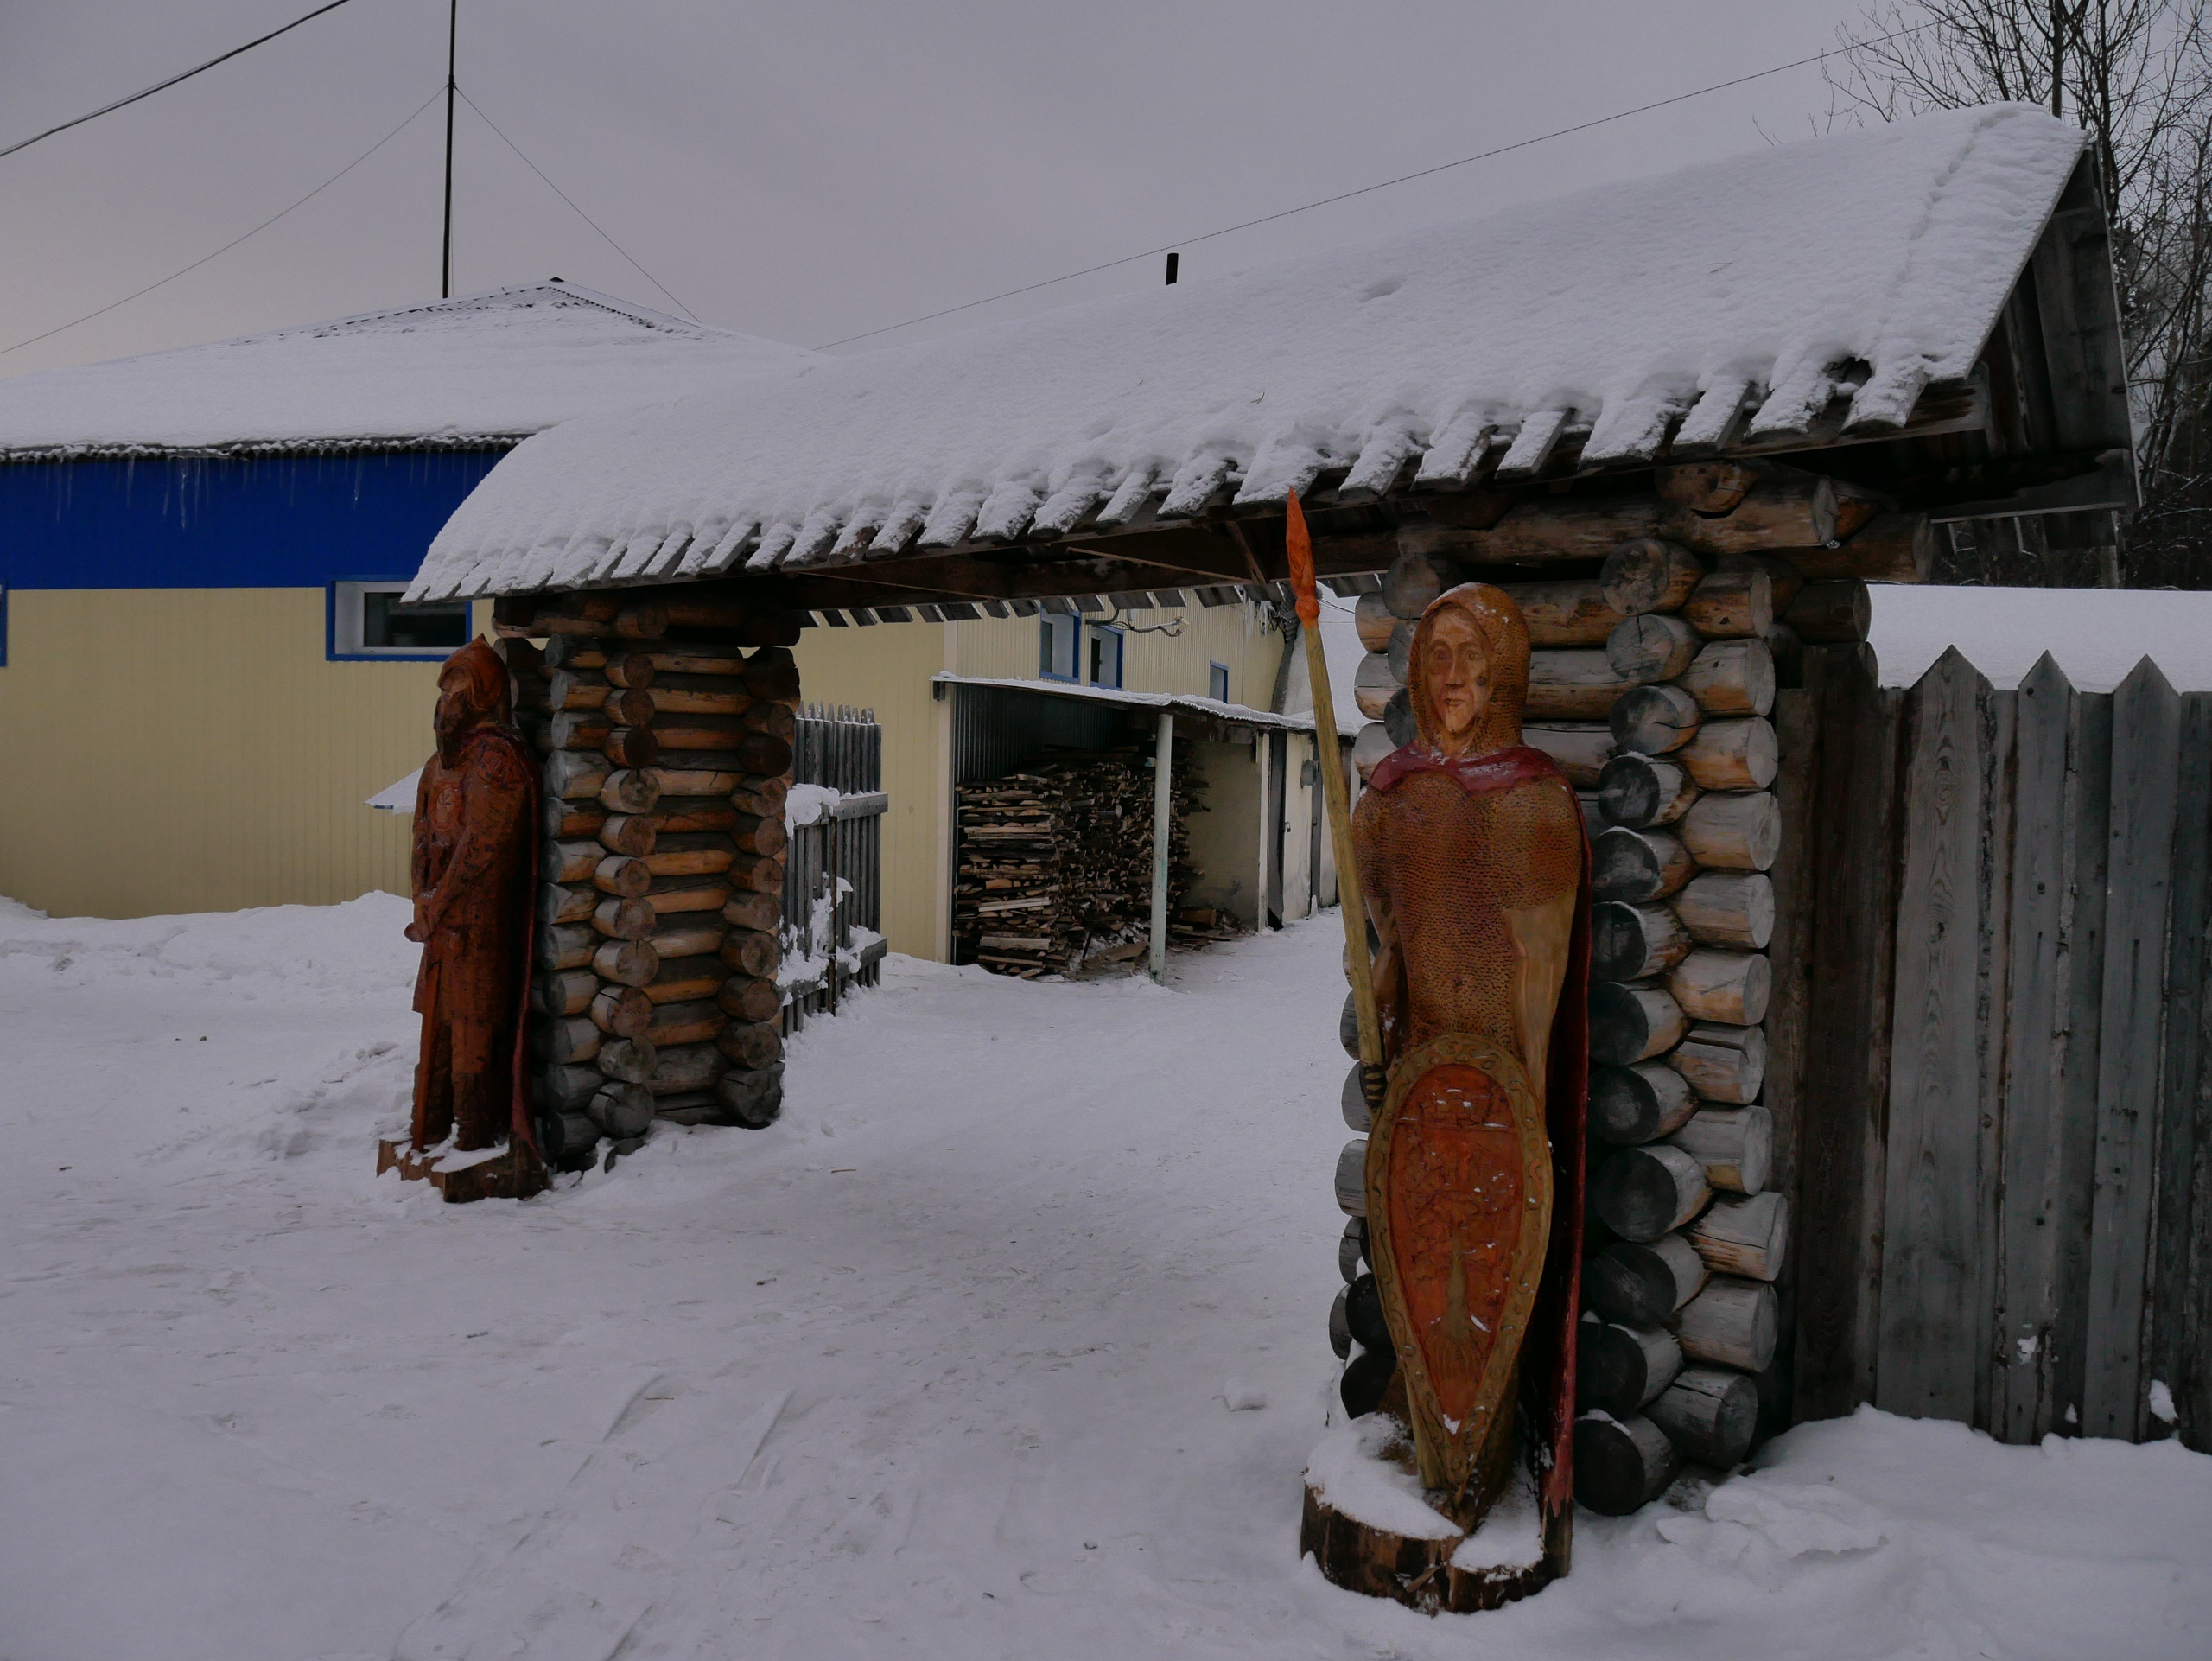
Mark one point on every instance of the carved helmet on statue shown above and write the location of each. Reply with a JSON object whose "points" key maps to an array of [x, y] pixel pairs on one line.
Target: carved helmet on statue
{"points": [[486, 692]]}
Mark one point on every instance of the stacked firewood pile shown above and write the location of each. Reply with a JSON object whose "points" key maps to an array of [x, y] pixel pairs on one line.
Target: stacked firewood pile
{"points": [[1651, 686], [666, 728], [1056, 859]]}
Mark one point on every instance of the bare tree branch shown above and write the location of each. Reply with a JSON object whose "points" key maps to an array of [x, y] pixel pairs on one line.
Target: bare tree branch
{"points": [[2138, 75]]}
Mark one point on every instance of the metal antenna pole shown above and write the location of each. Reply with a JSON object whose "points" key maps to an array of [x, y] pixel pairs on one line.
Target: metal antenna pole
{"points": [[452, 36]]}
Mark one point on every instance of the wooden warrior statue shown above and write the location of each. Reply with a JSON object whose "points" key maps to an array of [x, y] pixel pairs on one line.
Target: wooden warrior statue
{"points": [[475, 829], [1473, 857]]}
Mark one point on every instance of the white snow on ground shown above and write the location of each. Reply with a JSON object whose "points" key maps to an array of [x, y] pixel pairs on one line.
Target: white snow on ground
{"points": [[1895, 245], [937, 1366], [2097, 635]]}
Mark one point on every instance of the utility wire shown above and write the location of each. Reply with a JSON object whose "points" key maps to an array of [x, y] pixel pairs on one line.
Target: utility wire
{"points": [[234, 241], [580, 214], [163, 86], [1385, 184]]}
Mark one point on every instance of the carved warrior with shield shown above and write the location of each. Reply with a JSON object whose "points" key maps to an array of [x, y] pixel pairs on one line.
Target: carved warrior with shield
{"points": [[1472, 857]]}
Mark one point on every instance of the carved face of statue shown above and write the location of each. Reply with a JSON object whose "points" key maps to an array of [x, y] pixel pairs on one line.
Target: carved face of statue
{"points": [[1468, 672], [1456, 658]]}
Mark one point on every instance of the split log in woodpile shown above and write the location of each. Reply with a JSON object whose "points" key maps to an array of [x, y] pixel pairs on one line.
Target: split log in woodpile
{"points": [[1056, 860]]}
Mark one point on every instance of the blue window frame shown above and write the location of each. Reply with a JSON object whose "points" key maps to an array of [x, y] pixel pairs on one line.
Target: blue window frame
{"points": [[1057, 632], [1217, 682], [1105, 655]]}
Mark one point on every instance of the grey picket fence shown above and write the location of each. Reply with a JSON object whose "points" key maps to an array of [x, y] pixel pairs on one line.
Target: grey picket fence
{"points": [[833, 869], [2015, 1216]]}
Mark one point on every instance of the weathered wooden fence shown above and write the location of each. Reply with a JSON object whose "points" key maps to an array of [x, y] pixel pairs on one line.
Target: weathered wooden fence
{"points": [[2006, 1183], [833, 871]]}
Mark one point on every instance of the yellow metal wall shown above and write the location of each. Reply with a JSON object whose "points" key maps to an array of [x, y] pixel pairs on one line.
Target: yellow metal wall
{"points": [[888, 669], [191, 750]]}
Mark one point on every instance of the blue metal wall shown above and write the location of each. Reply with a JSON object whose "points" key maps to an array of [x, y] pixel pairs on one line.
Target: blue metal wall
{"points": [[276, 522]]}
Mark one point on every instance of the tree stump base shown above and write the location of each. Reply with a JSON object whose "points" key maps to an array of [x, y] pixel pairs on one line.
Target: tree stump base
{"points": [[507, 1173], [1422, 1571]]}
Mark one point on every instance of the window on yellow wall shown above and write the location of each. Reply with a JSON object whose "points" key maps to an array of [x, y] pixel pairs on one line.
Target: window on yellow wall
{"points": [[1105, 656], [369, 619], [1057, 637], [1217, 682]]}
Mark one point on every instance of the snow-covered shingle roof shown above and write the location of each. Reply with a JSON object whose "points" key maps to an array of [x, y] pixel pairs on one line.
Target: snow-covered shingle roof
{"points": [[484, 366], [1618, 309]]}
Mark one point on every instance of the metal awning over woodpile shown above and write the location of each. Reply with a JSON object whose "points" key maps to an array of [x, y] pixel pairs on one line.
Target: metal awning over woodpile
{"points": [[1823, 349], [1208, 717]]}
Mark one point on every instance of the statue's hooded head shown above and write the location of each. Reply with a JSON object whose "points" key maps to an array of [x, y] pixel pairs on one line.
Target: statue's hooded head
{"points": [[472, 691], [1468, 672]]}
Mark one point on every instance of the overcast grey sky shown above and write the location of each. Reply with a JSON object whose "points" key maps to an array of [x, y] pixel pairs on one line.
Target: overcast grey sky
{"points": [[807, 169]]}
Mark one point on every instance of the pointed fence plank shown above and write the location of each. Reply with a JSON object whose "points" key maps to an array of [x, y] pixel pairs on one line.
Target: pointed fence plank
{"points": [[2041, 1051], [1993, 988], [2180, 1351], [1932, 1283], [2145, 748], [2077, 1130], [1844, 1101]]}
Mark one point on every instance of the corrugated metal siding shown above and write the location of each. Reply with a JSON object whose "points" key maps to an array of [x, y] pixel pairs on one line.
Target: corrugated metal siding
{"points": [[182, 749], [226, 522], [1007, 649], [996, 730]]}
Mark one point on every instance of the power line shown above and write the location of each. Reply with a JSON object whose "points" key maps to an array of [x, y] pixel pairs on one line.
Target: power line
{"points": [[234, 241], [163, 86], [1385, 184], [580, 214]]}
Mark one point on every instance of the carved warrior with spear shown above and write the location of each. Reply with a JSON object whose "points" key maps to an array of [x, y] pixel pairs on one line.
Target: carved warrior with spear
{"points": [[1469, 849]]}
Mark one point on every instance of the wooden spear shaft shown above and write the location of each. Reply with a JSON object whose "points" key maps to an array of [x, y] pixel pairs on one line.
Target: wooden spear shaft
{"points": [[1337, 795]]}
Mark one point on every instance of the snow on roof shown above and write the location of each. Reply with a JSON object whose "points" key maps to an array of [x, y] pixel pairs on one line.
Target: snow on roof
{"points": [[491, 366], [1616, 308]]}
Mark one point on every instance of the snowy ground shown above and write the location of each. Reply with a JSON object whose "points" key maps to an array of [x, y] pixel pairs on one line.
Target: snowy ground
{"points": [[935, 1367]]}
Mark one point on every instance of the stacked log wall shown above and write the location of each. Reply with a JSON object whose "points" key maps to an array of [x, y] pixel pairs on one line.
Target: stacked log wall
{"points": [[665, 728], [1664, 683]]}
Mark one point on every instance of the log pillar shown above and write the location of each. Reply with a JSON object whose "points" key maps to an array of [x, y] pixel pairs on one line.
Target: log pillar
{"points": [[666, 726]]}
